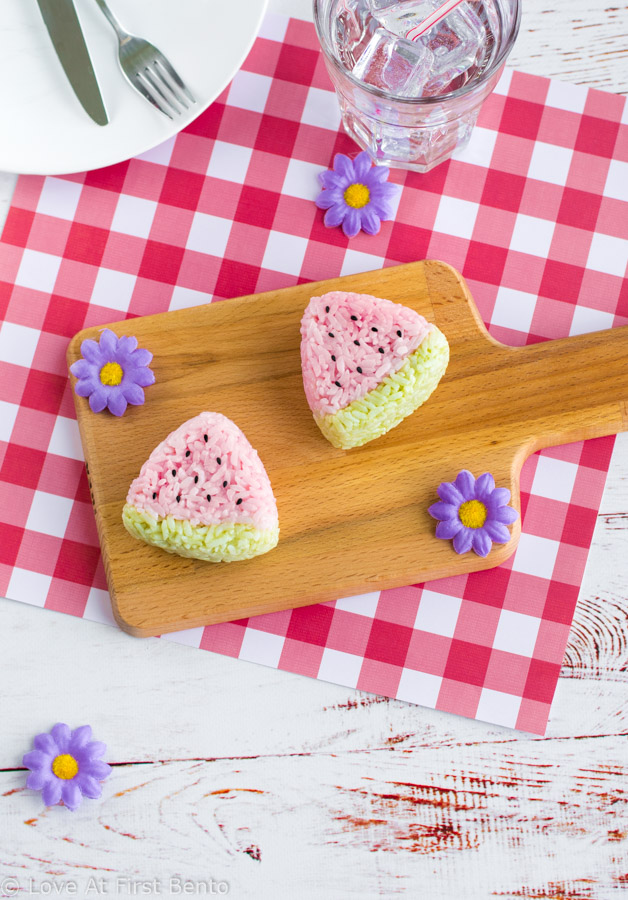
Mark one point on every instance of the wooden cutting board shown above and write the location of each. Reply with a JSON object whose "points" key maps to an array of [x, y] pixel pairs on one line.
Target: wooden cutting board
{"points": [[351, 521]]}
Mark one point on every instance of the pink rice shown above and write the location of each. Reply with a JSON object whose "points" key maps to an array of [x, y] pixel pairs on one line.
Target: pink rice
{"points": [[334, 334], [240, 466]]}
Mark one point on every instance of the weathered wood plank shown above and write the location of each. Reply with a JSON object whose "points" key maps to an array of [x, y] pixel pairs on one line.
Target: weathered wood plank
{"points": [[498, 820], [579, 41]]}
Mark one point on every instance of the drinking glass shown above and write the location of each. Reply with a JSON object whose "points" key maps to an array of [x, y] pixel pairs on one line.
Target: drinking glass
{"points": [[411, 103]]}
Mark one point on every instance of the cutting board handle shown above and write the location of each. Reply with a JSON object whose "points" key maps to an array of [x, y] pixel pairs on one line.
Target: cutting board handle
{"points": [[549, 393], [583, 381]]}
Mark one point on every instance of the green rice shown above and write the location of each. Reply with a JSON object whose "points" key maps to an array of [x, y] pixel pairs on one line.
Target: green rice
{"points": [[214, 543], [391, 401]]}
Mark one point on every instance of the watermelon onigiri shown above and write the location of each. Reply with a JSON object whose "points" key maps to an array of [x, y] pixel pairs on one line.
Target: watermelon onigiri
{"points": [[367, 364], [203, 492]]}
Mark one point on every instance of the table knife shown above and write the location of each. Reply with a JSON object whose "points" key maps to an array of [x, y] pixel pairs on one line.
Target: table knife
{"points": [[65, 31]]}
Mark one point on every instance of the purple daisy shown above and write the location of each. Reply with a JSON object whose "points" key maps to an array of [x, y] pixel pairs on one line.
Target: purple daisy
{"points": [[473, 512], [112, 373], [65, 765], [356, 194]]}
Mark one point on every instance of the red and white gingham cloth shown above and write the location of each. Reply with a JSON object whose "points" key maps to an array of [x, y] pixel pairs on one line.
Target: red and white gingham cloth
{"points": [[534, 213]]}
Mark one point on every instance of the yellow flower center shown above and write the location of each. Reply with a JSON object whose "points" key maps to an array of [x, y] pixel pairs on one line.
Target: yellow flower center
{"points": [[111, 373], [357, 195], [65, 766], [472, 514]]}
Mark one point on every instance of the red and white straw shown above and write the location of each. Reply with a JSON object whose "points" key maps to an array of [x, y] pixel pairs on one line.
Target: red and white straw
{"points": [[443, 10]]}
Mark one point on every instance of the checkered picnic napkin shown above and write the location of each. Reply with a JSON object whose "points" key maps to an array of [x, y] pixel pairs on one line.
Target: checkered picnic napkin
{"points": [[534, 213]]}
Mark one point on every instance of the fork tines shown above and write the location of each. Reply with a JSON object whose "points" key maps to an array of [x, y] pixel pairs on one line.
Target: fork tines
{"points": [[163, 87]]}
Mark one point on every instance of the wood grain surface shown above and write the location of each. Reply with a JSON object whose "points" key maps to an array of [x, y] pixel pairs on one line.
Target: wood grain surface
{"points": [[351, 522], [288, 752]]}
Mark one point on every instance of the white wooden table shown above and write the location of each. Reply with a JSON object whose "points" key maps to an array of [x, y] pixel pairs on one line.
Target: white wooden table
{"points": [[243, 779]]}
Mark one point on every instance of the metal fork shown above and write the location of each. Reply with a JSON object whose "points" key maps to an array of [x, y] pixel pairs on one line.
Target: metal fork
{"points": [[148, 70]]}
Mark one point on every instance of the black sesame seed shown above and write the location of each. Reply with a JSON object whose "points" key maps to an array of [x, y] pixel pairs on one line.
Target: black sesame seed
{"points": [[174, 473], [187, 452], [209, 497], [326, 309], [219, 460], [354, 318], [373, 328], [337, 383], [179, 498], [196, 479], [360, 369], [330, 333], [334, 358], [238, 501], [357, 343], [398, 334], [205, 438], [155, 495], [225, 483], [381, 349]]}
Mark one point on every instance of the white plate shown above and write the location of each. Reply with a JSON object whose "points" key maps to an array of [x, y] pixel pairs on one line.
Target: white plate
{"points": [[43, 128]]}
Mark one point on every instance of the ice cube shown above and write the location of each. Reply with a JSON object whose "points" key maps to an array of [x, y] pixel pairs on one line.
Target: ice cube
{"points": [[461, 45], [398, 66], [353, 28]]}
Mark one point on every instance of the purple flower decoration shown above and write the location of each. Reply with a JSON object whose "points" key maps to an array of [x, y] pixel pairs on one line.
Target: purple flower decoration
{"points": [[356, 194], [112, 373], [473, 513], [65, 765]]}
